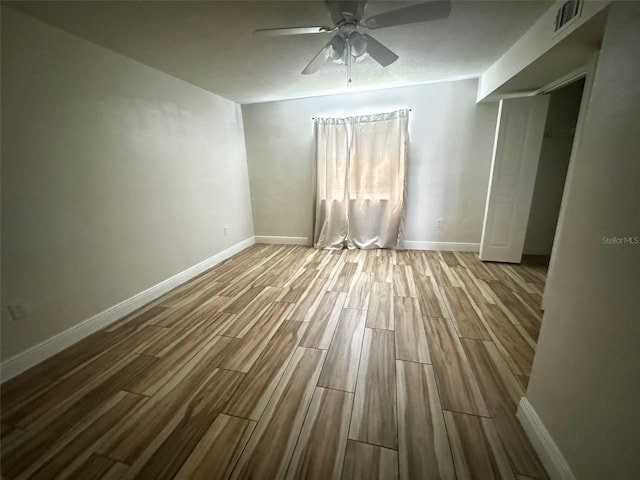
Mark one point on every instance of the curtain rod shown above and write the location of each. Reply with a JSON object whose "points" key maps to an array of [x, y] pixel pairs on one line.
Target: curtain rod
{"points": [[410, 109]]}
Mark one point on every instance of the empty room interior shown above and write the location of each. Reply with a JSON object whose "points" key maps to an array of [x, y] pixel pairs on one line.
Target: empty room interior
{"points": [[320, 239]]}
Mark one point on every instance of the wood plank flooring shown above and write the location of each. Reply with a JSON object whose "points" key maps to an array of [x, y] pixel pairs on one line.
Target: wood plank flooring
{"points": [[286, 362]]}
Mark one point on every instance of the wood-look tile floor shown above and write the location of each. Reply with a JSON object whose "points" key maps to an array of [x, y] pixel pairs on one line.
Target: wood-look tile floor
{"points": [[289, 362]]}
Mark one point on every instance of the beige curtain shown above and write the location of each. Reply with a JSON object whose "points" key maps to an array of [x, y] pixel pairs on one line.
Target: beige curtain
{"points": [[360, 176]]}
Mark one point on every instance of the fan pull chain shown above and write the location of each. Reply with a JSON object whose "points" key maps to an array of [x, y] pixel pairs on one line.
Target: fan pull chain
{"points": [[348, 50]]}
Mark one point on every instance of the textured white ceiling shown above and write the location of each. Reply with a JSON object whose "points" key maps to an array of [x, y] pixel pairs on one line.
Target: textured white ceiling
{"points": [[211, 45]]}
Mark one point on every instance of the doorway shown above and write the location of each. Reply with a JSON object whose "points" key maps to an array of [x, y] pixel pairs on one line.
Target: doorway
{"points": [[555, 153], [532, 150]]}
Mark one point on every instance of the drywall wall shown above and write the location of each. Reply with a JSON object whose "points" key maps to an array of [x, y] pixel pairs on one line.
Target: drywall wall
{"points": [[535, 43], [449, 158], [115, 177], [584, 384], [564, 105]]}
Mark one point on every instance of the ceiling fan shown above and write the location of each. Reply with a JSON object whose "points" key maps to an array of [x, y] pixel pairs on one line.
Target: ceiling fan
{"points": [[349, 43]]}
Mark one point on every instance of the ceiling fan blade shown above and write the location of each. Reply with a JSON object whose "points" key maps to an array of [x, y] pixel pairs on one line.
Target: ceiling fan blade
{"points": [[277, 32], [379, 52], [318, 60], [422, 12]]}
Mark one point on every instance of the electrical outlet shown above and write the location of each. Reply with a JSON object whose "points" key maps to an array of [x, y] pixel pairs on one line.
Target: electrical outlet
{"points": [[465, 223], [226, 230], [439, 223], [17, 311]]}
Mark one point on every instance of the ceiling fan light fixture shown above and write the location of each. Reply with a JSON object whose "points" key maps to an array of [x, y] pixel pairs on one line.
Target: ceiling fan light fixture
{"points": [[349, 45], [357, 44], [335, 49]]}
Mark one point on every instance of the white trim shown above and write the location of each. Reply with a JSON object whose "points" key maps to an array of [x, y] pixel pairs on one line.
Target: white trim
{"points": [[447, 246], [282, 240], [34, 355], [408, 244], [549, 453], [564, 80]]}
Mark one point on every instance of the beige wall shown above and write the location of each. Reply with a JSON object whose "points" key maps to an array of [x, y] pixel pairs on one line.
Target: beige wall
{"points": [[449, 158], [115, 177], [585, 383]]}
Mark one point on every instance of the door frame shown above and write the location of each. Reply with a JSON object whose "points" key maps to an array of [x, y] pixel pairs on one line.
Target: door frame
{"points": [[588, 72]]}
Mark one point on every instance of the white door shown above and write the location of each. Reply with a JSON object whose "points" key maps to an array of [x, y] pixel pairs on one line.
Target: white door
{"points": [[513, 173]]}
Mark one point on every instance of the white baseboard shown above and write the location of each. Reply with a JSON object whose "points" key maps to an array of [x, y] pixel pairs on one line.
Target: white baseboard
{"points": [[448, 246], [549, 453], [408, 244], [282, 240], [34, 355]]}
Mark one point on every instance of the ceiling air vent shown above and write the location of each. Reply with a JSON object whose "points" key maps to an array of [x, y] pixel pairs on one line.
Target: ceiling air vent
{"points": [[567, 13]]}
